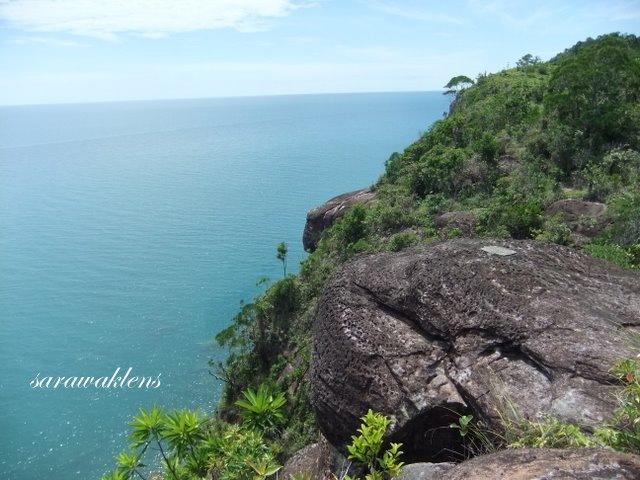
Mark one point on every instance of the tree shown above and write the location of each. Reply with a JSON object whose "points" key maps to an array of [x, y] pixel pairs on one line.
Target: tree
{"points": [[528, 60], [281, 254], [594, 93], [457, 84]]}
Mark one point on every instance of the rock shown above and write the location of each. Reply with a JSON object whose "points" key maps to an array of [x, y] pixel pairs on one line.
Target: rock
{"points": [[425, 471], [539, 463], [583, 218], [306, 461], [466, 222], [428, 333], [325, 215], [317, 462]]}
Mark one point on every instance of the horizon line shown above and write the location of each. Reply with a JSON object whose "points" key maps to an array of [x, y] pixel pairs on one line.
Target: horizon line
{"points": [[221, 97]]}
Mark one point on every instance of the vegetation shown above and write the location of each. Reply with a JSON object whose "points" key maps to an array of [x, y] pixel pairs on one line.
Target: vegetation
{"points": [[513, 143], [366, 448], [262, 410], [189, 445], [281, 254]]}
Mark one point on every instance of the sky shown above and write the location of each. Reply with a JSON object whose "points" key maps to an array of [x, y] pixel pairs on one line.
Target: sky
{"points": [[68, 51]]}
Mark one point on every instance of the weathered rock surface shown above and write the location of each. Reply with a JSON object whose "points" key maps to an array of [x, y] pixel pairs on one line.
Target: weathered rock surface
{"points": [[427, 333], [307, 461], [325, 215], [316, 462], [583, 218], [529, 464], [426, 471]]}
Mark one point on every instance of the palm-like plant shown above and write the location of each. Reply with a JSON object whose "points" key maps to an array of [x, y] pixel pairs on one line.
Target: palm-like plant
{"points": [[147, 427], [115, 475], [263, 468], [261, 409], [129, 464], [184, 431]]}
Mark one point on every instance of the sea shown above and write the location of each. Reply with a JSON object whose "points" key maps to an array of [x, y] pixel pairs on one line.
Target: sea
{"points": [[129, 234]]}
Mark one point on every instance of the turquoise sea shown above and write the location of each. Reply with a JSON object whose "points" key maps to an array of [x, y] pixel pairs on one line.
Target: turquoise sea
{"points": [[129, 233]]}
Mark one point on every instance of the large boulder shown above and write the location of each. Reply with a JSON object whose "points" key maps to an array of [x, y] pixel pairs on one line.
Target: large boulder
{"points": [[470, 326], [529, 464], [582, 217], [325, 215]]}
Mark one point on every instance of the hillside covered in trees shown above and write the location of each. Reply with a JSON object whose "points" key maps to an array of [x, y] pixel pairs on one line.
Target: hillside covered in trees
{"points": [[513, 145]]}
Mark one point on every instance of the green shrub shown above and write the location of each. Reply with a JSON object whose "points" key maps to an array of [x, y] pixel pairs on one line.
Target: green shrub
{"points": [[610, 253], [488, 147], [553, 230], [518, 202], [402, 240], [262, 410], [367, 448], [352, 227], [609, 174], [192, 446], [178, 436], [438, 171], [624, 211], [236, 452], [623, 432]]}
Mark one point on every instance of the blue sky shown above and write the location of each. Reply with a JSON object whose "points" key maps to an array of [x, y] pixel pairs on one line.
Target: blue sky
{"points": [[59, 51]]}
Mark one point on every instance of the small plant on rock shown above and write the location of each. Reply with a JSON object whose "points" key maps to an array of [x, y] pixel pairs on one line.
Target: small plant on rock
{"points": [[367, 449]]}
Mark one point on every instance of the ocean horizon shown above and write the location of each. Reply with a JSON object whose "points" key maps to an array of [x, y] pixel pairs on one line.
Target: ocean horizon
{"points": [[131, 231]]}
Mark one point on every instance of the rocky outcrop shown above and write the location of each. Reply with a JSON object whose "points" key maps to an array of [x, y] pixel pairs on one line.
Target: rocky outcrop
{"points": [[583, 218], [529, 464], [325, 215], [469, 326]]}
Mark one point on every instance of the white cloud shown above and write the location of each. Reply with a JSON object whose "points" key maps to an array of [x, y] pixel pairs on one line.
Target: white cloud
{"points": [[151, 18]]}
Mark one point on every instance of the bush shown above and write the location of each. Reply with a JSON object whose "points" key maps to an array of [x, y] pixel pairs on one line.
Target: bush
{"points": [[192, 446], [624, 210], [400, 241], [617, 169], [367, 448], [623, 433], [262, 410], [438, 171], [553, 230], [518, 202], [611, 253]]}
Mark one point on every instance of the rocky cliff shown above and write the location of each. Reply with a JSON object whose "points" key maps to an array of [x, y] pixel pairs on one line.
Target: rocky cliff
{"points": [[325, 215], [470, 326]]}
